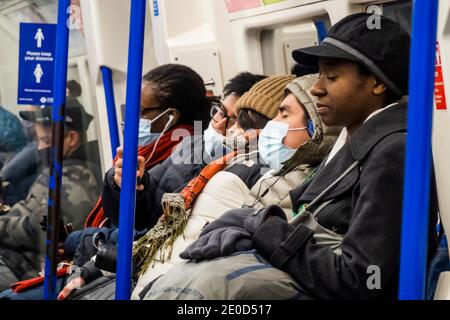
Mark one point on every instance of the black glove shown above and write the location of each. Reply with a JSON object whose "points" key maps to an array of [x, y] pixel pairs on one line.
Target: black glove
{"points": [[64, 229], [230, 233], [218, 243], [257, 218], [232, 218]]}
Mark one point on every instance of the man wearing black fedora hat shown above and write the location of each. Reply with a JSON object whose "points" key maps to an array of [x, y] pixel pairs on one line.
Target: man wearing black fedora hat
{"points": [[21, 240], [344, 241], [363, 75]]}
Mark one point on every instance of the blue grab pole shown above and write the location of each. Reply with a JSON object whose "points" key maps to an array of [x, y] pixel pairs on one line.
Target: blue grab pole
{"points": [[111, 108], [58, 114], [128, 192], [321, 30], [413, 259]]}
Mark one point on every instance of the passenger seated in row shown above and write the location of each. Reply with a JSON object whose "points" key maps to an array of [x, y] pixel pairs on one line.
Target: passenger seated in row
{"points": [[22, 243], [345, 240], [305, 143], [224, 115], [166, 90], [19, 174], [226, 189], [170, 176], [182, 88], [172, 99]]}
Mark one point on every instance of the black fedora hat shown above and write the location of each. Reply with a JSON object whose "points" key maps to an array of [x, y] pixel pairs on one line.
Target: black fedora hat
{"points": [[384, 50]]}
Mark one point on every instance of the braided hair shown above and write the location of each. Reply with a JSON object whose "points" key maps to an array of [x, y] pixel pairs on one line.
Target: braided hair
{"points": [[178, 86]]}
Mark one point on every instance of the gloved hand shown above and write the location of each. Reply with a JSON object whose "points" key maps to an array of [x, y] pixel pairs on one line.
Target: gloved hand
{"points": [[218, 243], [64, 229], [232, 218], [257, 218], [231, 233]]}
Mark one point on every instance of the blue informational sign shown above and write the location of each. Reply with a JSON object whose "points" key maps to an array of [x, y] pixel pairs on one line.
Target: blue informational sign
{"points": [[36, 63], [155, 8]]}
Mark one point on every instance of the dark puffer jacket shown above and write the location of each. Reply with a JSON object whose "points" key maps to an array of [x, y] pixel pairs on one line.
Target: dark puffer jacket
{"points": [[170, 176], [12, 134], [20, 173]]}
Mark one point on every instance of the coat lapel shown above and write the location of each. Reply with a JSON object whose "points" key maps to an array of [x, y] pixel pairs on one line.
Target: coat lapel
{"points": [[358, 147]]}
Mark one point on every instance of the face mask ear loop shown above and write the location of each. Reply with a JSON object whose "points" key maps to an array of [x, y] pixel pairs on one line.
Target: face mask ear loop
{"points": [[298, 129], [159, 115], [166, 127]]}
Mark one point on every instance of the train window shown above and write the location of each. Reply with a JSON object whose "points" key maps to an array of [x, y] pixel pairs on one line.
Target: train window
{"points": [[25, 140], [278, 43], [400, 11]]}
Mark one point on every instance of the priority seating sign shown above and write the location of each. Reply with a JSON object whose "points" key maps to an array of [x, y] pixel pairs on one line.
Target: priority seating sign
{"points": [[36, 63], [439, 88]]}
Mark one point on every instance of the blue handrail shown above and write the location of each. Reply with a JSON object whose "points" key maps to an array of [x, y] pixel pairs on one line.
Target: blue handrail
{"points": [[58, 114], [111, 108], [418, 152], [128, 193], [321, 30]]}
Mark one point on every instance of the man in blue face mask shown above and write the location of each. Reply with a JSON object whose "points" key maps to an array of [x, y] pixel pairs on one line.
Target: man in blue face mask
{"points": [[293, 126], [281, 137]]}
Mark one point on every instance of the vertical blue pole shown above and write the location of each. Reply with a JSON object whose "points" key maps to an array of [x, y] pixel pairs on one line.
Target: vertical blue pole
{"points": [[418, 152], [128, 193], [321, 30], [58, 114], [111, 109]]}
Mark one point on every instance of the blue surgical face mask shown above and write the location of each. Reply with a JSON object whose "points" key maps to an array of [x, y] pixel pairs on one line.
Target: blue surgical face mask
{"points": [[146, 136], [270, 144], [213, 142]]}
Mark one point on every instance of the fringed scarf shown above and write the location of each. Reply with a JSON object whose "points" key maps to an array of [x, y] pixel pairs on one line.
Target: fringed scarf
{"points": [[176, 212]]}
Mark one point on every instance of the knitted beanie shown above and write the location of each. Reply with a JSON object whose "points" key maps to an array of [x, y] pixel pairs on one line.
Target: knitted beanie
{"points": [[265, 96]]}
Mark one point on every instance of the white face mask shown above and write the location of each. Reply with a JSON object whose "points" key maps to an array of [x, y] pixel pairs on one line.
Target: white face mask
{"points": [[271, 147], [214, 142]]}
